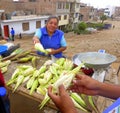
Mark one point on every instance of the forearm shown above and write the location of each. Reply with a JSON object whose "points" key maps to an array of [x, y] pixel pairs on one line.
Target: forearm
{"points": [[109, 90], [71, 110], [58, 50]]}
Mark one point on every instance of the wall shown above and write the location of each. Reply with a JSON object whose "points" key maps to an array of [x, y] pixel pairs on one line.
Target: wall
{"points": [[17, 25]]}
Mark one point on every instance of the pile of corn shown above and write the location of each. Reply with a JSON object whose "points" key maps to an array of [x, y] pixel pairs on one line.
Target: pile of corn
{"points": [[4, 65], [55, 74]]}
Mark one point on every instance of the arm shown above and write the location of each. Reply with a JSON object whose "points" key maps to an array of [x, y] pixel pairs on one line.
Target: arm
{"points": [[109, 90], [37, 36], [53, 51], [87, 85], [62, 101]]}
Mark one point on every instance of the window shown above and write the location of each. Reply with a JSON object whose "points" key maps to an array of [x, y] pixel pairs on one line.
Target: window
{"points": [[59, 5], [76, 15], [64, 5], [59, 17], [65, 17], [38, 24], [25, 26], [77, 5], [32, 0], [45, 21], [67, 5]]}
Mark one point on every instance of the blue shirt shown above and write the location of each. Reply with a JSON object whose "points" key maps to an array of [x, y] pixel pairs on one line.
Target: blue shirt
{"points": [[55, 41], [12, 32]]}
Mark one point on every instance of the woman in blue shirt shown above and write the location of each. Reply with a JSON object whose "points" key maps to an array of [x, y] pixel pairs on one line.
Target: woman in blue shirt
{"points": [[51, 38]]}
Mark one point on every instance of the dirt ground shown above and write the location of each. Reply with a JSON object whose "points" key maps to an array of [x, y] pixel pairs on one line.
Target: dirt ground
{"points": [[105, 39]]}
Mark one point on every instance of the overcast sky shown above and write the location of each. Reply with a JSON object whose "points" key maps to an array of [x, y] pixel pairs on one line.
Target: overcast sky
{"points": [[102, 3]]}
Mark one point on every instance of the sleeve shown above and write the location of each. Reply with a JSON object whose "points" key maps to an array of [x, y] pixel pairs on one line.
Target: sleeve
{"points": [[63, 42], [2, 82], [38, 33]]}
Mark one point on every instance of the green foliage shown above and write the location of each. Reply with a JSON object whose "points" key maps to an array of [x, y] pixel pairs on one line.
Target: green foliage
{"points": [[68, 28], [77, 31], [81, 29], [82, 26], [103, 18], [96, 25]]}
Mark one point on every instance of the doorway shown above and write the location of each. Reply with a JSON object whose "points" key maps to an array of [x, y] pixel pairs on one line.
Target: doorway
{"points": [[6, 30]]}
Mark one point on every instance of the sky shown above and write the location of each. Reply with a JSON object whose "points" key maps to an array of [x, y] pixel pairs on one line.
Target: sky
{"points": [[102, 3]]}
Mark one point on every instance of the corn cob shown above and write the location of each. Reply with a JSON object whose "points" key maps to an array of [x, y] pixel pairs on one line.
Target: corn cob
{"points": [[24, 67], [28, 71], [48, 75], [60, 61], [15, 74], [26, 79], [48, 50], [30, 82], [77, 69], [34, 86], [23, 54], [42, 81], [39, 47], [45, 100], [5, 63], [53, 70], [4, 69], [24, 59], [68, 65], [11, 81], [42, 69], [78, 105], [17, 51], [19, 81], [65, 80], [41, 75], [34, 61], [90, 99], [36, 73], [41, 90], [78, 99], [48, 62]]}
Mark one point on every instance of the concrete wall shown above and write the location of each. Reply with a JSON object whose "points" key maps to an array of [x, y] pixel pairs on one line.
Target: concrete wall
{"points": [[17, 25]]}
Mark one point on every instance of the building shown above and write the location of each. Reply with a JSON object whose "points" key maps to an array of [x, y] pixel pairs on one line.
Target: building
{"points": [[87, 13], [24, 26], [74, 12], [116, 14]]}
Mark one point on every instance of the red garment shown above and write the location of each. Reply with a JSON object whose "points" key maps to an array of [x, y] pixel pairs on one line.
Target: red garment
{"points": [[2, 82]]}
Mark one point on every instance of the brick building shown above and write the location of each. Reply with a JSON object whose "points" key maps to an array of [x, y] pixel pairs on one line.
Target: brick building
{"points": [[87, 12]]}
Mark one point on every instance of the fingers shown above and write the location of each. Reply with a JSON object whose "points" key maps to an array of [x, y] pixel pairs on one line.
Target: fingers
{"points": [[50, 93], [81, 80], [61, 89]]}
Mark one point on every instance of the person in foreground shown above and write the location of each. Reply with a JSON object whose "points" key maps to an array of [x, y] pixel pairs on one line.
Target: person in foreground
{"points": [[51, 38], [86, 85]]}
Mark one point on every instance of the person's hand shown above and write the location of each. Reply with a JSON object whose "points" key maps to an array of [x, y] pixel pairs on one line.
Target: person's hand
{"points": [[36, 40], [62, 101], [85, 84]]}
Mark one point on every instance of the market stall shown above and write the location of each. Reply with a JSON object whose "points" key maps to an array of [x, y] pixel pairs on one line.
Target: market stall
{"points": [[110, 75]]}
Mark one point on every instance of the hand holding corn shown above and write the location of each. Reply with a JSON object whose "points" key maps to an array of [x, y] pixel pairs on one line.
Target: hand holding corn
{"points": [[62, 100]]}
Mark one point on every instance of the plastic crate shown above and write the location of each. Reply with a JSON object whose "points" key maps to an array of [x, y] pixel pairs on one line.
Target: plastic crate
{"points": [[3, 49]]}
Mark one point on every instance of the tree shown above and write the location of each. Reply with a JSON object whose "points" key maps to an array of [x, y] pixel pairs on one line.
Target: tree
{"points": [[103, 18]]}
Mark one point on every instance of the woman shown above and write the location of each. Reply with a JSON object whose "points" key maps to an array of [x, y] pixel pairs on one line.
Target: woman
{"points": [[51, 38]]}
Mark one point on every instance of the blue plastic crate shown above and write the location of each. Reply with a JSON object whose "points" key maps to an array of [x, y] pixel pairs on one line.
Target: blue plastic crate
{"points": [[3, 49]]}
